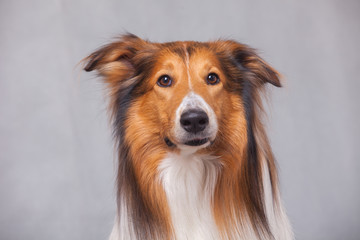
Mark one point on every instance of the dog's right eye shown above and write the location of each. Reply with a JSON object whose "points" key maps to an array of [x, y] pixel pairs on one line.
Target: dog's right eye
{"points": [[164, 81]]}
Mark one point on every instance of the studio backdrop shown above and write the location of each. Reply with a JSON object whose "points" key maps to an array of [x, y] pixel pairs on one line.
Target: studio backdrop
{"points": [[57, 162]]}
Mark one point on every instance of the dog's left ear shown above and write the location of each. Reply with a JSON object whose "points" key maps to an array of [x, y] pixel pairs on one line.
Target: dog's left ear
{"points": [[252, 62]]}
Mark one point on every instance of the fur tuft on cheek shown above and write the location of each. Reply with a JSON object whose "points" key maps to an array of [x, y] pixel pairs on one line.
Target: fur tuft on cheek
{"points": [[146, 153]]}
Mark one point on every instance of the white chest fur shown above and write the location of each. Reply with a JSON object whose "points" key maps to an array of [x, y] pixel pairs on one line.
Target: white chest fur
{"points": [[189, 181]]}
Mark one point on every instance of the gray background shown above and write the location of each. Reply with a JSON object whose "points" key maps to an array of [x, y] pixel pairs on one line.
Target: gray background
{"points": [[56, 150]]}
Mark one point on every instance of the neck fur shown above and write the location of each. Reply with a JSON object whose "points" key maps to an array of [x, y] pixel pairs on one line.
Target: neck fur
{"points": [[189, 182]]}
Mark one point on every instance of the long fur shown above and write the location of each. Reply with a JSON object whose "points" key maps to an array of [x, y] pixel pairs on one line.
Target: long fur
{"points": [[228, 190]]}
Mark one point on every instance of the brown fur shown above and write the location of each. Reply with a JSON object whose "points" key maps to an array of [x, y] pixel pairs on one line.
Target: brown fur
{"points": [[131, 67]]}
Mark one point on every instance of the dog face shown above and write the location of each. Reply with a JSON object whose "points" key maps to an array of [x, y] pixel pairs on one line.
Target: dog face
{"points": [[186, 95]]}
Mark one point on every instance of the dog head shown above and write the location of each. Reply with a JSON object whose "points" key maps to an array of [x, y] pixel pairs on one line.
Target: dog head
{"points": [[186, 95]]}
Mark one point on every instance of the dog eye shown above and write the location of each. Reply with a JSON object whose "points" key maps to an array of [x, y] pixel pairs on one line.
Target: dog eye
{"points": [[212, 79], [164, 81]]}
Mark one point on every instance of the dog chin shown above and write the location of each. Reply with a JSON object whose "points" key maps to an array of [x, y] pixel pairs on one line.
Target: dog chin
{"points": [[189, 149], [193, 145]]}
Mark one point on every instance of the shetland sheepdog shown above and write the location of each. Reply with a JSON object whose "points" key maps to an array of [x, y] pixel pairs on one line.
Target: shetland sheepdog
{"points": [[194, 161]]}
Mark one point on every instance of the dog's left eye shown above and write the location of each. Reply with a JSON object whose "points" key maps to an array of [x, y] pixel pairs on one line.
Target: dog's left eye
{"points": [[164, 81], [212, 79]]}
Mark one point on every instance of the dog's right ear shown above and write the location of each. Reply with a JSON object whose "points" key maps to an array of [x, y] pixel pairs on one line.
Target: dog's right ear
{"points": [[116, 59]]}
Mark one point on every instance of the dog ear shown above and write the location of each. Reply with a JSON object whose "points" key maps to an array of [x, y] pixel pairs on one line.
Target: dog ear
{"points": [[250, 61], [115, 59]]}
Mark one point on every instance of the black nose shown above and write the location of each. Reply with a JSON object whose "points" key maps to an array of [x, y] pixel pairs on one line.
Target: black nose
{"points": [[194, 121]]}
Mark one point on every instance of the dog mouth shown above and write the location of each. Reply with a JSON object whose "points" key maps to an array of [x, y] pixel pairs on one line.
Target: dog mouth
{"points": [[197, 142], [192, 143]]}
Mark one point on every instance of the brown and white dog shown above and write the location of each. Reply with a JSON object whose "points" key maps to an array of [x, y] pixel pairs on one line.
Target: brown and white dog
{"points": [[194, 160]]}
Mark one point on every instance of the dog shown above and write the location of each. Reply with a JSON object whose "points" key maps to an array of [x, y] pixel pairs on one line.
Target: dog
{"points": [[194, 161]]}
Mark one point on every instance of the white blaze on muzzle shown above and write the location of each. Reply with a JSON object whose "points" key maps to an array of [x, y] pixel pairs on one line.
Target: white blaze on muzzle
{"points": [[194, 102]]}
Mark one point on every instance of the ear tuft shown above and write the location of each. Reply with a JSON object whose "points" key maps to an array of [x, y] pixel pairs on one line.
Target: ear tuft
{"points": [[122, 50], [267, 73], [92, 61], [264, 72], [251, 61]]}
